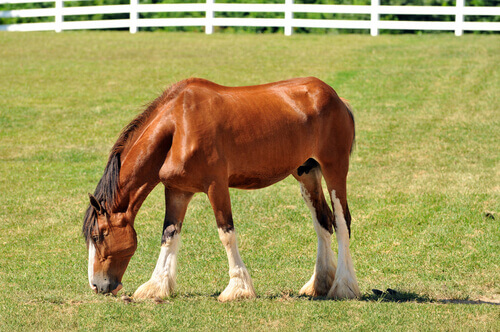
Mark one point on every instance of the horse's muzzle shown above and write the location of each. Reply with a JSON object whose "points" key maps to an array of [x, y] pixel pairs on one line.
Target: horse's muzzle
{"points": [[105, 287]]}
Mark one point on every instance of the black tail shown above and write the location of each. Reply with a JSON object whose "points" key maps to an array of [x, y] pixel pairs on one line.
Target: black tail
{"points": [[349, 110]]}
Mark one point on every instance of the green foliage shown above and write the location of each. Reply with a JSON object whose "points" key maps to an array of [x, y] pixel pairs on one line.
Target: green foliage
{"points": [[173, 15], [437, 18], [391, 17], [16, 20]]}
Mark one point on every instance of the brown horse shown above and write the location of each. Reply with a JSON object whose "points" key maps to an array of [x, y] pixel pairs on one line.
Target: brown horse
{"points": [[202, 137]]}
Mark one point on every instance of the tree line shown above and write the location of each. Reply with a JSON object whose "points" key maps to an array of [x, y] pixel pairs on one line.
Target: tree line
{"points": [[446, 3]]}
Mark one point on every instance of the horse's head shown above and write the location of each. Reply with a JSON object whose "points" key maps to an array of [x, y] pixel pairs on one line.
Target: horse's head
{"points": [[112, 241]]}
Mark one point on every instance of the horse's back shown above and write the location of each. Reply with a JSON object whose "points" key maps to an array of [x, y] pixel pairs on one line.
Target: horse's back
{"points": [[257, 111], [258, 134]]}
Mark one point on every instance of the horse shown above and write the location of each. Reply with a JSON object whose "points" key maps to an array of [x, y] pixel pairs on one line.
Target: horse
{"points": [[201, 137]]}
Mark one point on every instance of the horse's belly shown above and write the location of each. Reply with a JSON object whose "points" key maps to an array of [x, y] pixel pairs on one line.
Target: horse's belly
{"points": [[253, 168], [254, 181]]}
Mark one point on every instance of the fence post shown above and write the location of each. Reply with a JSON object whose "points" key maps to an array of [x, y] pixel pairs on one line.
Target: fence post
{"points": [[134, 15], [59, 15], [459, 18], [209, 17], [374, 17], [288, 17]]}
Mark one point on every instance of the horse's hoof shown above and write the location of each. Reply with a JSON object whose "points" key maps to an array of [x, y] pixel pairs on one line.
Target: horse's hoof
{"points": [[152, 289], [344, 289], [236, 290], [318, 286], [239, 295]]}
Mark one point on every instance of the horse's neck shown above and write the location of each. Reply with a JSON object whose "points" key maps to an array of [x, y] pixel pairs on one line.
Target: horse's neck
{"points": [[138, 177]]}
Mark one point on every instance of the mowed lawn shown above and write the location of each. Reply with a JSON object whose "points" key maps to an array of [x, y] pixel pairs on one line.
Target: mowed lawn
{"points": [[423, 187]]}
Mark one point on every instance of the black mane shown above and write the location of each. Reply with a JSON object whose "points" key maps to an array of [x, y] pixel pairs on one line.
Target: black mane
{"points": [[105, 193], [108, 187]]}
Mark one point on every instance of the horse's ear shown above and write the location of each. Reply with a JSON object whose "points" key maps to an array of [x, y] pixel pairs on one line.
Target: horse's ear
{"points": [[96, 205]]}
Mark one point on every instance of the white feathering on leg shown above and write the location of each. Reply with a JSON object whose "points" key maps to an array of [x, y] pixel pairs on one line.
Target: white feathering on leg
{"points": [[345, 284], [324, 269], [162, 282], [240, 284]]}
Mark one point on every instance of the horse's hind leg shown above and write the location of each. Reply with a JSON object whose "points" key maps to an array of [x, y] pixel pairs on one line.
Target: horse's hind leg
{"points": [[162, 282], [345, 284], [324, 269], [240, 284]]}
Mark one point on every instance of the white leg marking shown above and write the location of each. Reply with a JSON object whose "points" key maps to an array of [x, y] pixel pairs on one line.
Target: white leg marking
{"points": [[240, 283], [162, 282], [91, 265], [345, 284], [324, 269]]}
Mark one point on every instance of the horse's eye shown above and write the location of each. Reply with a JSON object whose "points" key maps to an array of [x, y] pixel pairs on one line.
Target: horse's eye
{"points": [[96, 238]]}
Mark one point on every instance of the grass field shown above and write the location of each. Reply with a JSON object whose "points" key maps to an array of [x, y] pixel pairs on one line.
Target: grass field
{"points": [[423, 188]]}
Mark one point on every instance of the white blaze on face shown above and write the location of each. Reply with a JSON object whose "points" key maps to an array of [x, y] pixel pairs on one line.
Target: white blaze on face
{"points": [[91, 264]]}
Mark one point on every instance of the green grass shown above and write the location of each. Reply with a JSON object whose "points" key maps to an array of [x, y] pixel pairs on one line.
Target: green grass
{"points": [[424, 173]]}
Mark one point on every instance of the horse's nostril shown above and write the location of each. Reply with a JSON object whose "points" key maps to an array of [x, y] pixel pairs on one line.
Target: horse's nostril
{"points": [[104, 288]]}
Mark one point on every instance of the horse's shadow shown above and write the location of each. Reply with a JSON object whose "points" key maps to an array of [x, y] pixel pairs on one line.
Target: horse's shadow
{"points": [[390, 295]]}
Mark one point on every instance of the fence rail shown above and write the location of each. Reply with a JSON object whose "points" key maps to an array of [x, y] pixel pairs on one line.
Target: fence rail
{"points": [[134, 22]]}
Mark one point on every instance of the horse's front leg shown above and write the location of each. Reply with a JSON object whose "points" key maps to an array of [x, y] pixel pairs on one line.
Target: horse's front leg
{"points": [[162, 282], [240, 284]]}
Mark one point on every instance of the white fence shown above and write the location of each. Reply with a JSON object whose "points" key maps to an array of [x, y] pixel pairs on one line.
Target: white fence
{"points": [[288, 8]]}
